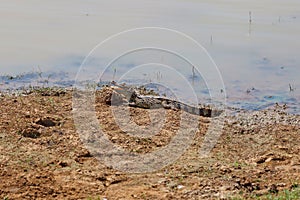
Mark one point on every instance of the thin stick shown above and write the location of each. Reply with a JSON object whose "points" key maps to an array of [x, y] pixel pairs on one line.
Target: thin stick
{"points": [[115, 71], [193, 76], [291, 88]]}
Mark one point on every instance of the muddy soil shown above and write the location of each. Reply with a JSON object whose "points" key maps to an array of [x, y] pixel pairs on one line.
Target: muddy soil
{"points": [[43, 157]]}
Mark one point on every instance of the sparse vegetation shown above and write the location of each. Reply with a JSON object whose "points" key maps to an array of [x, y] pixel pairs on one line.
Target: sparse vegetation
{"points": [[292, 194], [42, 150]]}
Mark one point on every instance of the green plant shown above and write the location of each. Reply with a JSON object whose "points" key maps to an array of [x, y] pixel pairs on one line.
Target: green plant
{"points": [[236, 164], [293, 194], [51, 101], [295, 185]]}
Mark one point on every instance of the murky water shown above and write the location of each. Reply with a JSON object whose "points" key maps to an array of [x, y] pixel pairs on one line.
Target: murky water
{"points": [[259, 61]]}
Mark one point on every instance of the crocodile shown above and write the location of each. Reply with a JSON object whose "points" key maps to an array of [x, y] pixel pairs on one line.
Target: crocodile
{"points": [[132, 97]]}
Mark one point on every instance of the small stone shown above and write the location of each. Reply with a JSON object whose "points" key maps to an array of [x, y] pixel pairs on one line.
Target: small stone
{"points": [[280, 184], [27, 114], [162, 180], [283, 148], [225, 169], [63, 164], [45, 122], [180, 187], [260, 160], [114, 138], [31, 133], [273, 189], [269, 159]]}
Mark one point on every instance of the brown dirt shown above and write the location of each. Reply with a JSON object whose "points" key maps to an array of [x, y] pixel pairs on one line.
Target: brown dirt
{"points": [[42, 156]]}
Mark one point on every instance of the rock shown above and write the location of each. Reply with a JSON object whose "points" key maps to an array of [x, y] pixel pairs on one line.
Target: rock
{"points": [[273, 189], [46, 122], [62, 164], [282, 147], [27, 114], [281, 184], [180, 187], [31, 133], [225, 169], [269, 159]]}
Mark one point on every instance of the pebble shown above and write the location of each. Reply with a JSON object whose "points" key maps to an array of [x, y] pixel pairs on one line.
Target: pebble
{"points": [[180, 187]]}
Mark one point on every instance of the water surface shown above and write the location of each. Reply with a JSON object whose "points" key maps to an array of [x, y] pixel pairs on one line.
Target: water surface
{"points": [[258, 61]]}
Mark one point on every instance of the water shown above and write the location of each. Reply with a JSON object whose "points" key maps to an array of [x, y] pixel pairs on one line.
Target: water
{"points": [[258, 61]]}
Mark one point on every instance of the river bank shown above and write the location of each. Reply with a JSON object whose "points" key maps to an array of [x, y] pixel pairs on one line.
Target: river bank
{"points": [[42, 156]]}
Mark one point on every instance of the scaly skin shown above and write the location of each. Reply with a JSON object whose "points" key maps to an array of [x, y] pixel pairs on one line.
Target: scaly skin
{"points": [[132, 98]]}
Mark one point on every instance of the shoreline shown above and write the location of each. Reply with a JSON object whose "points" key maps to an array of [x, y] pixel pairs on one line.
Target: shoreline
{"points": [[244, 97], [21, 91], [257, 154]]}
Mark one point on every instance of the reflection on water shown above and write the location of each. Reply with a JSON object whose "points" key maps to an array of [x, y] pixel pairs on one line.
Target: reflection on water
{"points": [[259, 61]]}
